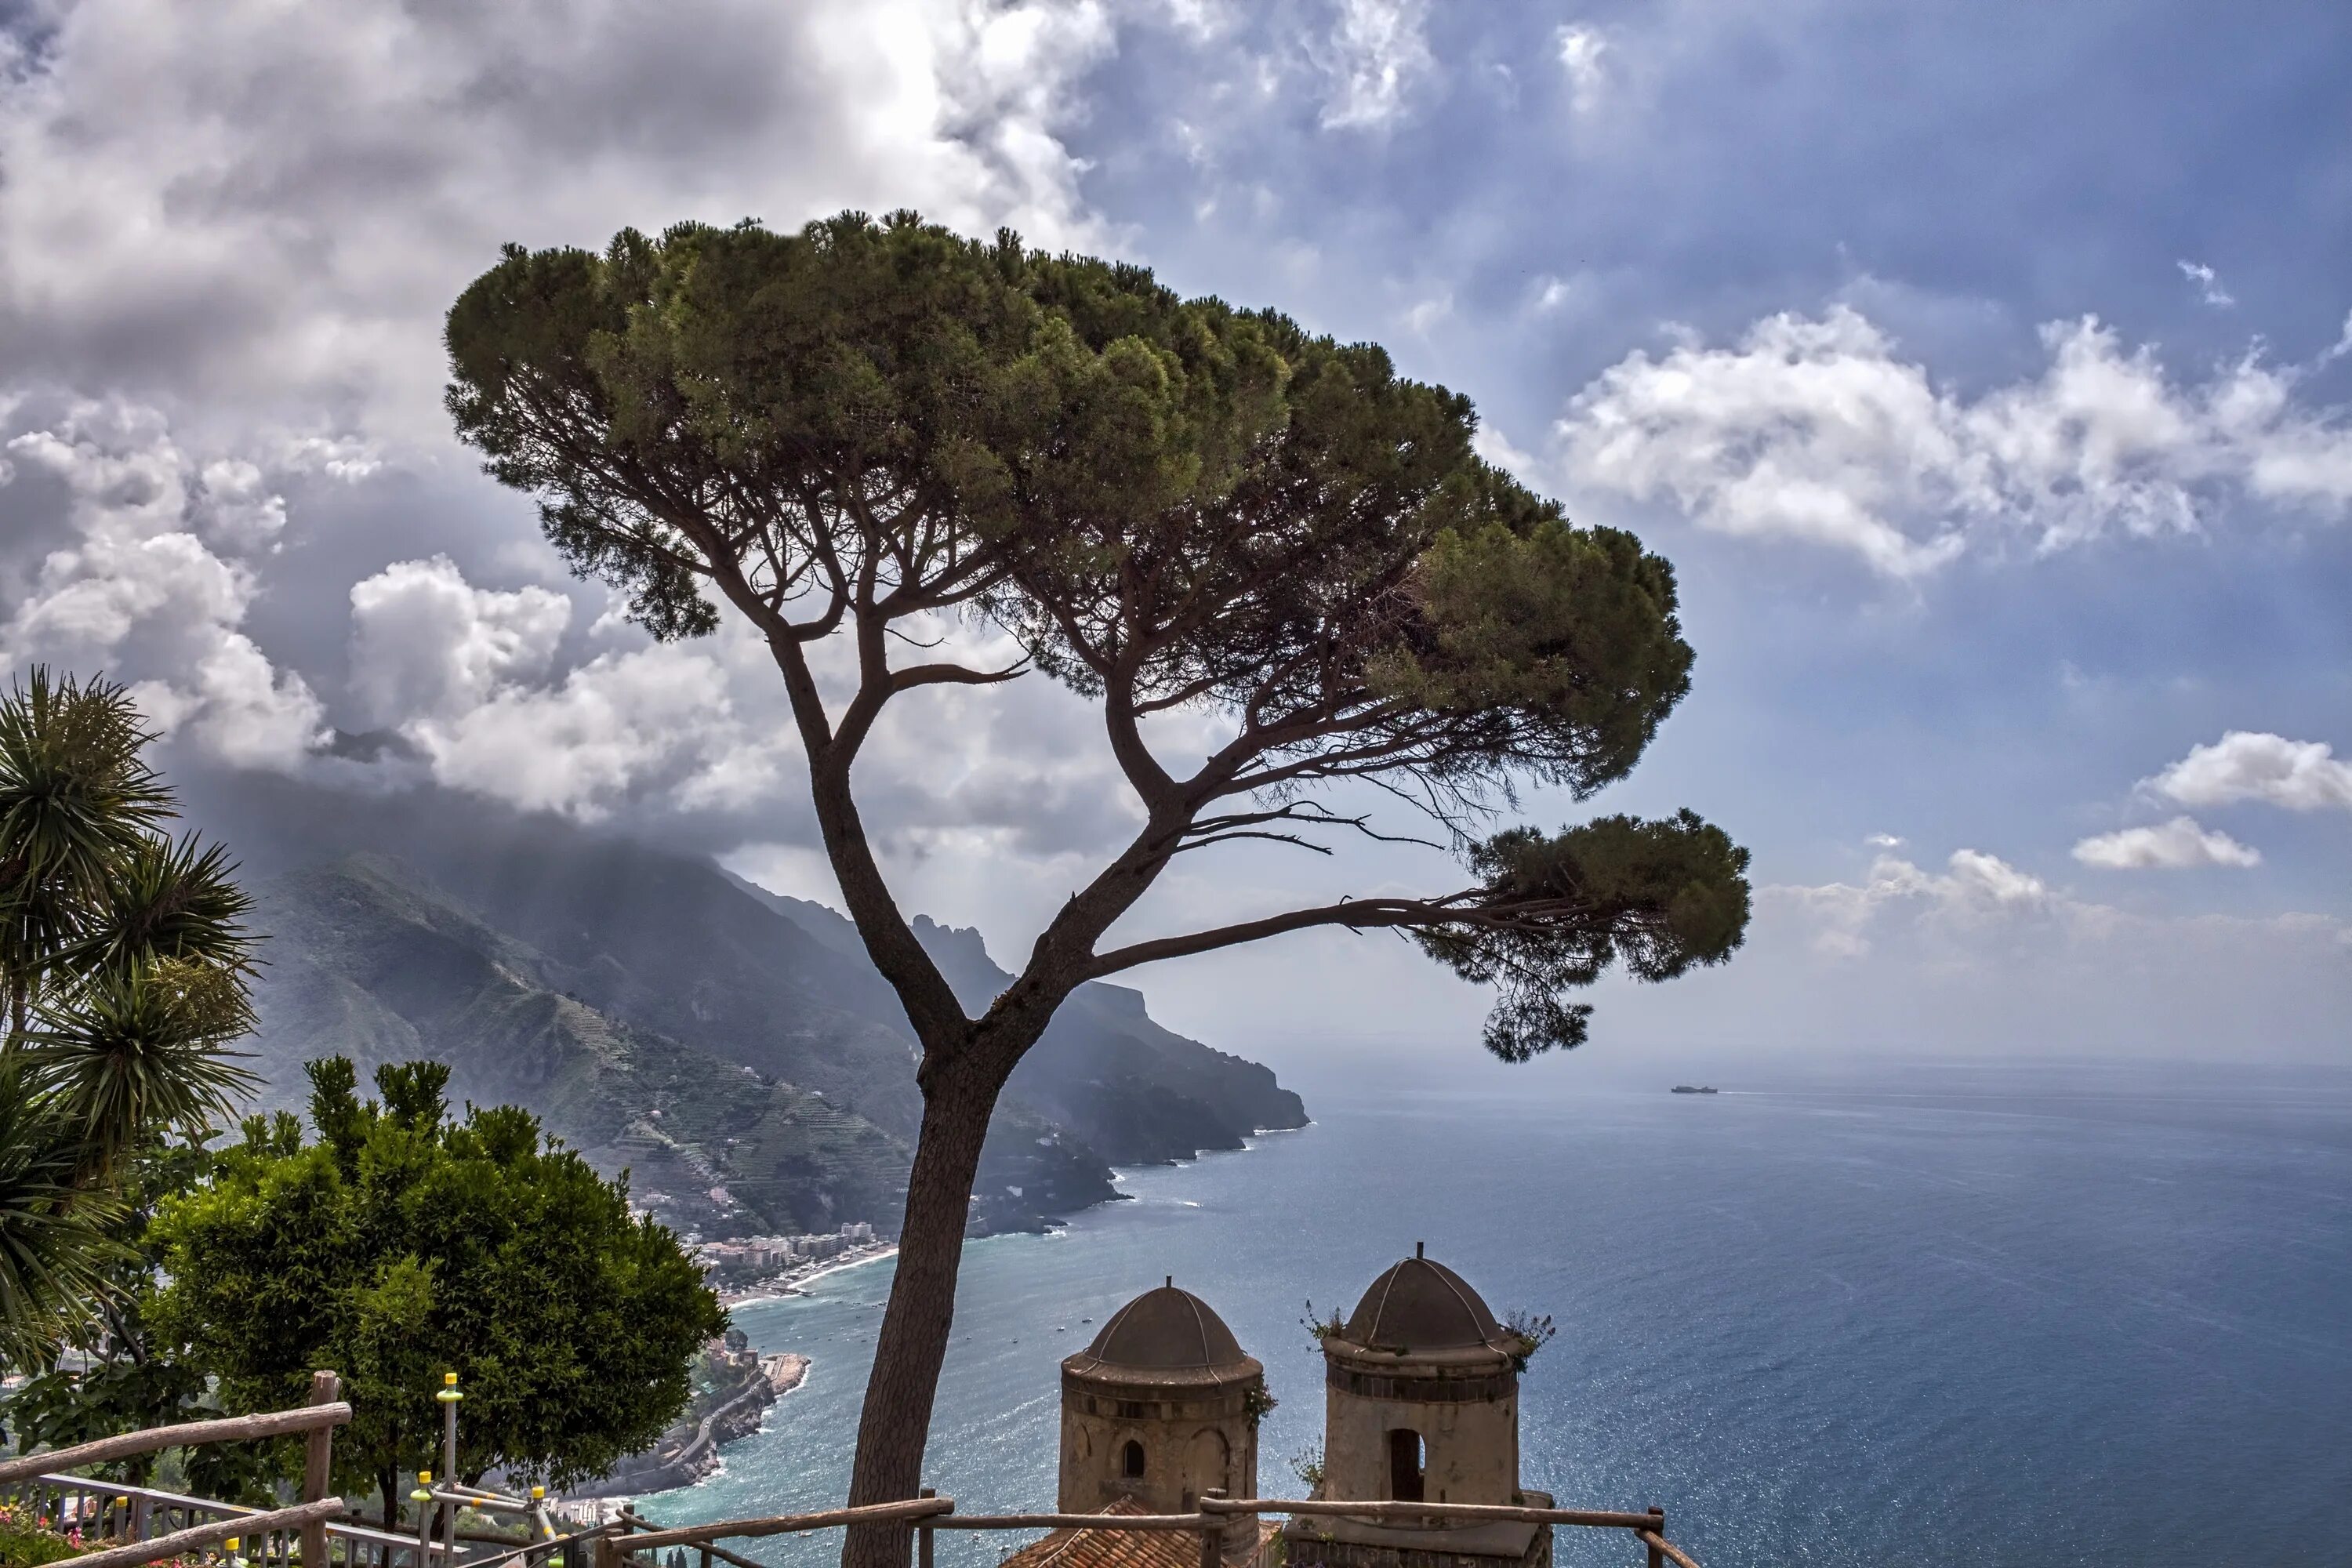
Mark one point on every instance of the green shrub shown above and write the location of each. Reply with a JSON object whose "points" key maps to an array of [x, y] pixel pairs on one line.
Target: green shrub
{"points": [[26, 1542]]}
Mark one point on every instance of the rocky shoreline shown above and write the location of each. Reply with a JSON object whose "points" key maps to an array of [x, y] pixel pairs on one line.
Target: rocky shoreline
{"points": [[745, 1385]]}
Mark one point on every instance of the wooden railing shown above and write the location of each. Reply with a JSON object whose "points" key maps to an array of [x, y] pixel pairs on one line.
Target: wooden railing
{"points": [[928, 1514], [309, 1532], [109, 1509]]}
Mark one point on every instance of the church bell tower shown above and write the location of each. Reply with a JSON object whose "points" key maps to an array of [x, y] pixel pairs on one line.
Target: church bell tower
{"points": [[1420, 1404], [1162, 1407]]}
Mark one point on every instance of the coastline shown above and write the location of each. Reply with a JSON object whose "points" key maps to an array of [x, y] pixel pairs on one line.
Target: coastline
{"points": [[772, 1374], [785, 1286]]}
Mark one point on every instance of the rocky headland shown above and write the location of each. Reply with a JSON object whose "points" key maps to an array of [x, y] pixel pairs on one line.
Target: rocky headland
{"points": [[742, 1384]]}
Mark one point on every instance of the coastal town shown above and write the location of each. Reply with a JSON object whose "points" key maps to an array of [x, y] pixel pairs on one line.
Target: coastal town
{"points": [[756, 1266]]}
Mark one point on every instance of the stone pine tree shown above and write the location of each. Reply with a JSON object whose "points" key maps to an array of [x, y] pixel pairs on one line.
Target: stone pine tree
{"points": [[857, 434]]}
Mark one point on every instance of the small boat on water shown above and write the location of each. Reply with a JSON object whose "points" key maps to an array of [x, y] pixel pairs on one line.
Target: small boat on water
{"points": [[1693, 1089]]}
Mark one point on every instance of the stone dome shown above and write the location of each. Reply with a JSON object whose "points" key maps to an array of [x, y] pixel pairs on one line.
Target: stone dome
{"points": [[1419, 1305], [1162, 1331]]}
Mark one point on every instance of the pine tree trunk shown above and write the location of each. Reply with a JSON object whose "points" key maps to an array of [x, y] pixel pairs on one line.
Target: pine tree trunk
{"points": [[913, 1343]]}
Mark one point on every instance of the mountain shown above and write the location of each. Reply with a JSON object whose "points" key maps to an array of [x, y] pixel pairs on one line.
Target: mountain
{"points": [[733, 1049], [1104, 1068]]}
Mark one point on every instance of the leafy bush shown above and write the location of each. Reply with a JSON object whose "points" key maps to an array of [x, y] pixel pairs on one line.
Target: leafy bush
{"points": [[27, 1541], [1323, 1328], [1527, 1334]]}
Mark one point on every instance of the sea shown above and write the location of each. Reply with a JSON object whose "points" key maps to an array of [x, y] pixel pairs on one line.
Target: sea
{"points": [[1979, 1313]]}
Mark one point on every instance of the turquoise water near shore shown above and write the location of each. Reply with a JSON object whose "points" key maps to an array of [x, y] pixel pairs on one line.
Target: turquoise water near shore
{"points": [[1968, 1314]]}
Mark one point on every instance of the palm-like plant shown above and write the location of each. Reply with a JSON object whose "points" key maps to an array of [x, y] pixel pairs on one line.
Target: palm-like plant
{"points": [[55, 1232], [78, 798], [133, 1051], [124, 964]]}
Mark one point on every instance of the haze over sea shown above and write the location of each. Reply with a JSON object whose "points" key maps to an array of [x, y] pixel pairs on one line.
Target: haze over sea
{"points": [[1989, 1313]]}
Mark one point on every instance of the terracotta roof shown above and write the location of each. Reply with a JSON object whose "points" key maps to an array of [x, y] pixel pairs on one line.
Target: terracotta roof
{"points": [[1419, 1305], [1123, 1548], [1166, 1330]]}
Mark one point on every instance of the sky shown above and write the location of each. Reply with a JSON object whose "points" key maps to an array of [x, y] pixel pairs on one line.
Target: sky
{"points": [[1985, 369]]}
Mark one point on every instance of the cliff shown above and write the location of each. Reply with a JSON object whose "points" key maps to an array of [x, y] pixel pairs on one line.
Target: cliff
{"points": [[733, 1049]]}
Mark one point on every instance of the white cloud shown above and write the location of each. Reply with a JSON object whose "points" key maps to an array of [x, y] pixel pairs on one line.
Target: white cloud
{"points": [[243, 513], [1975, 887], [252, 207], [2173, 846], [1977, 877], [348, 458], [1582, 49], [1554, 293], [1425, 314], [1496, 448], [258, 213], [1910, 961], [654, 723], [424, 642], [2343, 344], [1376, 52], [2301, 775], [149, 588], [1816, 429], [1884, 841], [2209, 284], [1006, 780], [1201, 19]]}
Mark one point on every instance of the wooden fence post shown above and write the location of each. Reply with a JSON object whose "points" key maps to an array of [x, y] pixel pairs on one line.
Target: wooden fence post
{"points": [[1657, 1559], [318, 1469], [926, 1538], [1213, 1529]]}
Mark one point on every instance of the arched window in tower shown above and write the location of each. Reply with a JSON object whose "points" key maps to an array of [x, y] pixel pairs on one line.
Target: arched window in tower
{"points": [[1130, 1461], [1404, 1464]]}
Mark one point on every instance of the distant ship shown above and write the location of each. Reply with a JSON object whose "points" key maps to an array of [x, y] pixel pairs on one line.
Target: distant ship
{"points": [[1691, 1088]]}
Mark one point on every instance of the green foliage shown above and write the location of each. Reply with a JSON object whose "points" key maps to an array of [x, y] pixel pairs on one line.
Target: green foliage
{"points": [[1170, 502], [1569, 631], [1257, 1403], [76, 799], [404, 1242], [130, 1378], [124, 963], [141, 1048], [54, 1234], [28, 1541], [1308, 1466], [1248, 513], [978, 377], [1527, 1334], [1321, 1327], [1660, 897]]}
